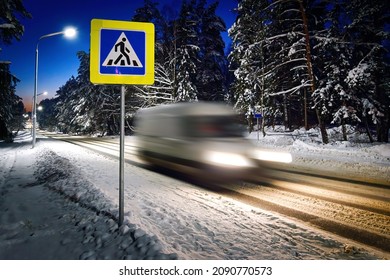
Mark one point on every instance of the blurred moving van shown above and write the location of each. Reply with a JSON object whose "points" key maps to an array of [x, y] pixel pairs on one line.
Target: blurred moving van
{"points": [[198, 138]]}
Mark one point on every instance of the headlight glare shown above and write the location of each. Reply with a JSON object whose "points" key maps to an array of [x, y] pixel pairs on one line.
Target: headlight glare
{"points": [[273, 156], [227, 159]]}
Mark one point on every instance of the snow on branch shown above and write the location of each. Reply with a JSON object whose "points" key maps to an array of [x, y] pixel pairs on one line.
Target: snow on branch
{"points": [[7, 26], [284, 63], [283, 35], [292, 90]]}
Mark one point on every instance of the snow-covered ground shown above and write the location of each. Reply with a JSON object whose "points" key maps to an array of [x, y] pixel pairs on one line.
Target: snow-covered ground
{"points": [[59, 201], [354, 159]]}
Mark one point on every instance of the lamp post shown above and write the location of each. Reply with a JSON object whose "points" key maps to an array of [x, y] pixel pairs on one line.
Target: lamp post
{"points": [[42, 93], [69, 33], [32, 108]]}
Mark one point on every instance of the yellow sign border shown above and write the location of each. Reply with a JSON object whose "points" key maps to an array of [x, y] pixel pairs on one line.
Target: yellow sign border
{"points": [[121, 79]]}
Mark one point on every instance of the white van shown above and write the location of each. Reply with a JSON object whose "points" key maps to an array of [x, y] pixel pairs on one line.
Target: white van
{"points": [[195, 138]]}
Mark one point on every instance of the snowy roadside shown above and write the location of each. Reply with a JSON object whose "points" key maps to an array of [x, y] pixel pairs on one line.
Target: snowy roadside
{"points": [[356, 159], [66, 199], [59, 215]]}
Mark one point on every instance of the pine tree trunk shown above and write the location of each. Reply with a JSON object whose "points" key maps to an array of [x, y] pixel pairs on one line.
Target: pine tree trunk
{"points": [[3, 130], [383, 128], [263, 126], [368, 130], [344, 129], [285, 111], [383, 131], [305, 109], [324, 134], [387, 127], [250, 123]]}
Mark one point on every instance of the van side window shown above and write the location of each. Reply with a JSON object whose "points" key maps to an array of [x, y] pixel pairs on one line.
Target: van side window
{"points": [[213, 127]]}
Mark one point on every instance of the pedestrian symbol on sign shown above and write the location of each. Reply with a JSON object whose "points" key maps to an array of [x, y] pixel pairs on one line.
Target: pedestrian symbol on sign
{"points": [[122, 54]]}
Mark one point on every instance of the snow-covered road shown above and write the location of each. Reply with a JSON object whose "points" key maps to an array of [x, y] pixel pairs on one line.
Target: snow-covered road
{"points": [[352, 209], [164, 217]]}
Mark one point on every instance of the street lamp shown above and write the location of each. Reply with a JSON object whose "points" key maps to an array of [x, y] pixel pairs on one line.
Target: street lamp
{"points": [[32, 108], [69, 33], [42, 93]]}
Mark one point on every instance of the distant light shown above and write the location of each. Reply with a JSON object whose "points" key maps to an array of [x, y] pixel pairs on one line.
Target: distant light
{"points": [[70, 32], [40, 108]]}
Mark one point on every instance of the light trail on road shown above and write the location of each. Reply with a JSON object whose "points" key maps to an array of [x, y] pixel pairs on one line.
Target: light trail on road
{"points": [[351, 216], [355, 210]]}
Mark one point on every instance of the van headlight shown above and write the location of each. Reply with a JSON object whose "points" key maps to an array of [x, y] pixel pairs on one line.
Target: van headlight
{"points": [[283, 157], [227, 159]]}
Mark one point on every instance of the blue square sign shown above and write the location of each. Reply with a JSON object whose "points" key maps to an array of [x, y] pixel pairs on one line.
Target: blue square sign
{"points": [[122, 52]]}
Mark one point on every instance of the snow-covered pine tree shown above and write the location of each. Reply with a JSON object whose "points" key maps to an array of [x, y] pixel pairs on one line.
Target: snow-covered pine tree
{"points": [[269, 58], [86, 108], [331, 62], [10, 26], [162, 89], [64, 112], [246, 57], [287, 54], [8, 100], [187, 54], [212, 66], [186, 69], [369, 76], [10, 29], [46, 118]]}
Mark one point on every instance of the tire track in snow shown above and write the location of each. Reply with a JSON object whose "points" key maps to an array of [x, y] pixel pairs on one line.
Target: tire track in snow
{"points": [[356, 222]]}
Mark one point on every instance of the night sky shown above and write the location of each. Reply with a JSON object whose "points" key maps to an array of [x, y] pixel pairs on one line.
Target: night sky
{"points": [[57, 55]]}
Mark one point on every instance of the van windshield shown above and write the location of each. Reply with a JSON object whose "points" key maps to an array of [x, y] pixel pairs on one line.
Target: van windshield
{"points": [[213, 127]]}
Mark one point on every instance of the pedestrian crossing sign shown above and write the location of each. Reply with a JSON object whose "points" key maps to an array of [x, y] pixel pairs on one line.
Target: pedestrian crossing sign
{"points": [[122, 52]]}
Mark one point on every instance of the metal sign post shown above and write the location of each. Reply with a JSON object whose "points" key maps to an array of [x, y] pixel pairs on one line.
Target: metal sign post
{"points": [[122, 53], [258, 116], [122, 158]]}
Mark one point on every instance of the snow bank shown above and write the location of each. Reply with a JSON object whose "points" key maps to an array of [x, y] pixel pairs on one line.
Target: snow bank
{"points": [[50, 211], [101, 228], [357, 159]]}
